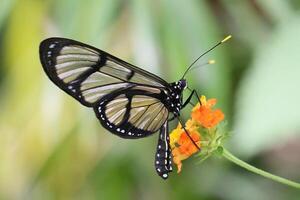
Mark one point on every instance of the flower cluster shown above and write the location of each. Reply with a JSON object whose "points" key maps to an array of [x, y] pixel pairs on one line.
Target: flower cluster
{"points": [[202, 132]]}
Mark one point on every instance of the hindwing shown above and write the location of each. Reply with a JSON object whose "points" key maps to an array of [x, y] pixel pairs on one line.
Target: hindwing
{"points": [[132, 113]]}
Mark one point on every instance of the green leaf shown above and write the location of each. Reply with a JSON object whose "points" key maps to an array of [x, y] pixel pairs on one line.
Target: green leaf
{"points": [[267, 110]]}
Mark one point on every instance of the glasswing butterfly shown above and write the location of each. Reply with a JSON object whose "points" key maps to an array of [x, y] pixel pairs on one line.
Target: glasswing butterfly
{"points": [[128, 101]]}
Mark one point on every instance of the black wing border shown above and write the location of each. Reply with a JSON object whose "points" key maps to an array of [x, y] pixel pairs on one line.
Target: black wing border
{"points": [[49, 62], [129, 93]]}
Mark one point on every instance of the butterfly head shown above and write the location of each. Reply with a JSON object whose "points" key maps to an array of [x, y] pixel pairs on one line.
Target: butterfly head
{"points": [[178, 87], [182, 84]]}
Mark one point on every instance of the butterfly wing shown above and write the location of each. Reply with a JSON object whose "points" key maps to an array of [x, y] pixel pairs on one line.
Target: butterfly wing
{"points": [[126, 99], [131, 113]]}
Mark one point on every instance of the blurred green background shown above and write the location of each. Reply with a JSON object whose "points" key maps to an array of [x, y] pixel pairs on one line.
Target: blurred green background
{"points": [[51, 147]]}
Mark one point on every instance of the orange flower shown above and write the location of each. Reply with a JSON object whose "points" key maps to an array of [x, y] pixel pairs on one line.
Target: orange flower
{"points": [[204, 115], [186, 146], [181, 144]]}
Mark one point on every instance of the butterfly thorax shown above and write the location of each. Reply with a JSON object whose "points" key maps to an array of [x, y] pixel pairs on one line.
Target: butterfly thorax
{"points": [[174, 96]]}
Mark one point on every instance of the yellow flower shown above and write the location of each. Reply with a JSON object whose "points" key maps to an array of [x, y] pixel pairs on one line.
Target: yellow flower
{"points": [[174, 135]]}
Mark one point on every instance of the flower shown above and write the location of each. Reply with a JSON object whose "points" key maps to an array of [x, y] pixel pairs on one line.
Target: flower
{"points": [[184, 144], [204, 128], [205, 115], [181, 144], [175, 135]]}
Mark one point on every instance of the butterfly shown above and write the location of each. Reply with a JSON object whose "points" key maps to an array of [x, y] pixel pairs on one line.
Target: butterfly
{"points": [[128, 101]]}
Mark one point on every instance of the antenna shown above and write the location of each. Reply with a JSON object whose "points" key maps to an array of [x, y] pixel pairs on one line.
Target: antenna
{"points": [[210, 62], [219, 43]]}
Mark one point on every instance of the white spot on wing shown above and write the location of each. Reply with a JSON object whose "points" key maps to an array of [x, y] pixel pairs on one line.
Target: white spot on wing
{"points": [[51, 46]]}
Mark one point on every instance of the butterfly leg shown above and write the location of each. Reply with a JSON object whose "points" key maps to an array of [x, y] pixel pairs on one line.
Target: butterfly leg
{"points": [[188, 100], [193, 93], [187, 133], [163, 161]]}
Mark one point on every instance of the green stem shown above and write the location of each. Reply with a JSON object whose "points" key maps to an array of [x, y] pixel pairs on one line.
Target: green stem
{"points": [[253, 169]]}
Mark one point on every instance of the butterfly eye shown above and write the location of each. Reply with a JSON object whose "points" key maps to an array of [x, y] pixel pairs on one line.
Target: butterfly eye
{"points": [[183, 84]]}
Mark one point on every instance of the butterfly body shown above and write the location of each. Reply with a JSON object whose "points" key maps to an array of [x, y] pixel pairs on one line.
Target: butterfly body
{"points": [[128, 101], [174, 97]]}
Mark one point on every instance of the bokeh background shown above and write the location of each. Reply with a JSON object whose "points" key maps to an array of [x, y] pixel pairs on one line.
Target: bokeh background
{"points": [[51, 147]]}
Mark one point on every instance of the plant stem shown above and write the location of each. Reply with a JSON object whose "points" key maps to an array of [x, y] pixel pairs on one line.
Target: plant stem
{"points": [[253, 169]]}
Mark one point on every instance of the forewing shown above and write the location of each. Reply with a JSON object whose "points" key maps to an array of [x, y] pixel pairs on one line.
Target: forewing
{"points": [[87, 73]]}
